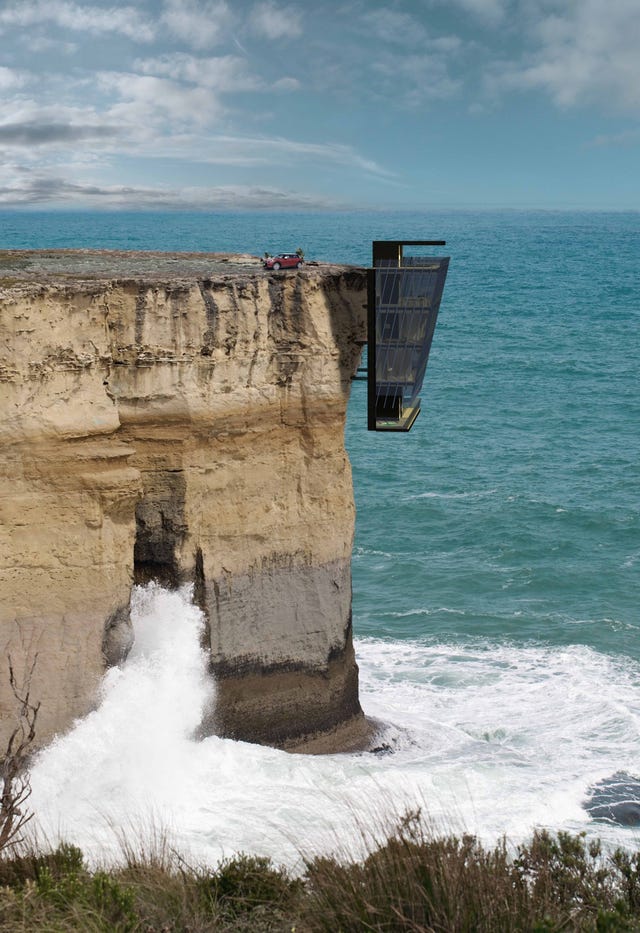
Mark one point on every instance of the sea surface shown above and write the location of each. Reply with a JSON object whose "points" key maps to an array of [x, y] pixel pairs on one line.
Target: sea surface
{"points": [[496, 569]]}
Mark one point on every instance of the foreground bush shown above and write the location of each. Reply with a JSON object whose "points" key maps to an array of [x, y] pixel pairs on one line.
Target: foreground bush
{"points": [[416, 883], [411, 882], [57, 892]]}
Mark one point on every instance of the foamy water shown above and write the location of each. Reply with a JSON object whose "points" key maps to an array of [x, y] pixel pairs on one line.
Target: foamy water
{"points": [[486, 737]]}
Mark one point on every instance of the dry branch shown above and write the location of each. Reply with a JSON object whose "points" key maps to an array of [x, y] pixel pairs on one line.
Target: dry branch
{"points": [[16, 788]]}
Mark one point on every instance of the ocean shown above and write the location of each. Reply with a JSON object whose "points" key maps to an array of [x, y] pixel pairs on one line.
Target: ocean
{"points": [[496, 583]]}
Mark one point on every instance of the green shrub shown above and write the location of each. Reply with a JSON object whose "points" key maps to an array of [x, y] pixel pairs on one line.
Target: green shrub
{"points": [[627, 866], [245, 882], [56, 888], [16, 871], [410, 882], [416, 883]]}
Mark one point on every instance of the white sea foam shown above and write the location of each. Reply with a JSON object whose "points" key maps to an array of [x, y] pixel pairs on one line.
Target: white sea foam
{"points": [[427, 612], [476, 494], [490, 737], [512, 736]]}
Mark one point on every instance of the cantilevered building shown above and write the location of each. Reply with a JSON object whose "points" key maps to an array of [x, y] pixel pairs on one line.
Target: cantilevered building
{"points": [[404, 298]]}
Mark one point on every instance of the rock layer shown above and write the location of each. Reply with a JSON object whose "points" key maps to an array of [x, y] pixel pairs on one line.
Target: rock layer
{"points": [[180, 418]]}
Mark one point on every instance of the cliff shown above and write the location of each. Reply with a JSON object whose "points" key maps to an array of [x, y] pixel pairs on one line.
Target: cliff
{"points": [[180, 417]]}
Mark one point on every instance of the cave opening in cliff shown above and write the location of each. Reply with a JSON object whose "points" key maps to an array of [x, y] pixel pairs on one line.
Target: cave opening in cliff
{"points": [[404, 294], [160, 528]]}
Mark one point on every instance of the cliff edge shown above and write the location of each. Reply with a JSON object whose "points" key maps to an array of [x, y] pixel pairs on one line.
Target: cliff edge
{"points": [[180, 417]]}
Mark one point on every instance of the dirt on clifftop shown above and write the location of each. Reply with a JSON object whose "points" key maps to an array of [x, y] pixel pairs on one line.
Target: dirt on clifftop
{"points": [[18, 266]]}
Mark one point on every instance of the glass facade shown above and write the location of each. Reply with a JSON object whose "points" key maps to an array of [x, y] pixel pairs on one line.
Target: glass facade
{"points": [[404, 298]]}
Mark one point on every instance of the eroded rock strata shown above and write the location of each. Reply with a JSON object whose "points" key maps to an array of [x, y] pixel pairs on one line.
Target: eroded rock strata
{"points": [[180, 418]]}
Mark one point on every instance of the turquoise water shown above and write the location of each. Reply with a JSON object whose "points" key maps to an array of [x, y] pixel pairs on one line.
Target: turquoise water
{"points": [[496, 566], [512, 509]]}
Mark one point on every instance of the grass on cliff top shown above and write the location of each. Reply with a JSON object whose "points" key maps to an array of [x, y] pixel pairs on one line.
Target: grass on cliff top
{"points": [[411, 882]]}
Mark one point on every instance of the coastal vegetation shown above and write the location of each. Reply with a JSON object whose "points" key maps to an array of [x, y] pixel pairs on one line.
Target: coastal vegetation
{"points": [[411, 882]]}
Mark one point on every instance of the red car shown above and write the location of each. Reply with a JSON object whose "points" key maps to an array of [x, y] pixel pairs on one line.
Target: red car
{"points": [[283, 261]]}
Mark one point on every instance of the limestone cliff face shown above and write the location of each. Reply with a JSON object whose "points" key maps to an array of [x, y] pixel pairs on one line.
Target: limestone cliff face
{"points": [[179, 418]]}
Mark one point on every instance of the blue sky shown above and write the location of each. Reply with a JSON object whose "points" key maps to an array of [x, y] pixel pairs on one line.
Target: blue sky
{"points": [[356, 104]]}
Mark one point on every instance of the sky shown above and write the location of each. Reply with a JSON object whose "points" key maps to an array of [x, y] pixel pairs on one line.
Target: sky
{"points": [[407, 104]]}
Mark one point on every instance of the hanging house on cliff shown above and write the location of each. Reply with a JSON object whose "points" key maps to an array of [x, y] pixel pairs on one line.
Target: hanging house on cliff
{"points": [[404, 294]]}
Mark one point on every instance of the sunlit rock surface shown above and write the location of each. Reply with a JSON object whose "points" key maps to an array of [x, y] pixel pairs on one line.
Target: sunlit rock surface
{"points": [[180, 417]]}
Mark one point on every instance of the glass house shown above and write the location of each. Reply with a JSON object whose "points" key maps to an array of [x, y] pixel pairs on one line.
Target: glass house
{"points": [[404, 295]]}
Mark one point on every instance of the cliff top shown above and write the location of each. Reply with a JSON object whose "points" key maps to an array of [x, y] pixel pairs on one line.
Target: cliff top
{"points": [[42, 266]]}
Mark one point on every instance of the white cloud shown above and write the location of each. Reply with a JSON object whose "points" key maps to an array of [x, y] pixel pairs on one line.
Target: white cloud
{"points": [[487, 13], [224, 73], [388, 56], [46, 44], [625, 138], [420, 72], [393, 26], [255, 151], [21, 188], [148, 116], [396, 26], [264, 150], [275, 20], [10, 78], [65, 14], [287, 84], [199, 24], [147, 102], [583, 51], [491, 10], [418, 79]]}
